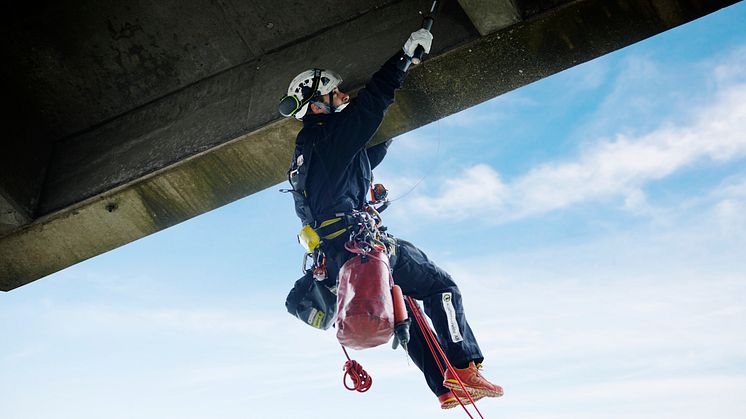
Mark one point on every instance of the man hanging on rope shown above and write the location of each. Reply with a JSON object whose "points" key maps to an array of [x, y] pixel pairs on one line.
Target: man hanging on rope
{"points": [[332, 147]]}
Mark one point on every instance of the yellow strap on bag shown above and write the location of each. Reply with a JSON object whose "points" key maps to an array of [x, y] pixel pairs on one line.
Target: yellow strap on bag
{"points": [[308, 238]]}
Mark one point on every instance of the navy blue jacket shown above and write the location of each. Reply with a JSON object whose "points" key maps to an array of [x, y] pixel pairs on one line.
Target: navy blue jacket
{"points": [[339, 173]]}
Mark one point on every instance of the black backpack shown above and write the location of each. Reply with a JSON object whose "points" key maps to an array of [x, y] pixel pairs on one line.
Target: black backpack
{"points": [[312, 302]]}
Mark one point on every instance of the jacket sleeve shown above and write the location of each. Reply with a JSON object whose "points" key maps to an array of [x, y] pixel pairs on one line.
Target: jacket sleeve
{"points": [[352, 128], [377, 153]]}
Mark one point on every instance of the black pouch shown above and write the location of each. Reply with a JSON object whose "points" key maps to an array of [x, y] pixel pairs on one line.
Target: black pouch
{"points": [[312, 302]]}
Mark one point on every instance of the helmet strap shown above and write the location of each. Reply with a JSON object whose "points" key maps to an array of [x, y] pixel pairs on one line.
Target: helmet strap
{"points": [[331, 101]]}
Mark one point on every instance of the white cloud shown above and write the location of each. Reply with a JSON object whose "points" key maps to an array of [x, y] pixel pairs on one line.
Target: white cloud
{"points": [[642, 398], [731, 70], [629, 325], [479, 188], [730, 215], [89, 318], [635, 200], [602, 170], [643, 92]]}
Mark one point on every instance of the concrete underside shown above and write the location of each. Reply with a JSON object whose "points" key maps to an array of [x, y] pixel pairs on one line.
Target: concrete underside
{"points": [[125, 118]]}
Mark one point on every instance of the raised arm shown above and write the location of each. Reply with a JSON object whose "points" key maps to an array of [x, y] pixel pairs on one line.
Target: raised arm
{"points": [[354, 127]]}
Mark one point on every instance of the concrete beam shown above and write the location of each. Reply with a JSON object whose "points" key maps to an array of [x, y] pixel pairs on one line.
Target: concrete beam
{"points": [[83, 62], [226, 163], [491, 15], [160, 163], [24, 157], [11, 216], [228, 105]]}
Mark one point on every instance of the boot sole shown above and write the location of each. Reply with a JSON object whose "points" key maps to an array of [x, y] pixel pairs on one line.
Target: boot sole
{"points": [[464, 400], [473, 391]]}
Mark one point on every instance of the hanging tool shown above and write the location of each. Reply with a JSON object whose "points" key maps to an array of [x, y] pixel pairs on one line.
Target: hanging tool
{"points": [[401, 319]]}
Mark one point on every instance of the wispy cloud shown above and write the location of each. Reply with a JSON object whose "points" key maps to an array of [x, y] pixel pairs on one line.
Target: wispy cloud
{"points": [[644, 398], [731, 69], [730, 209], [601, 170], [637, 319], [87, 318]]}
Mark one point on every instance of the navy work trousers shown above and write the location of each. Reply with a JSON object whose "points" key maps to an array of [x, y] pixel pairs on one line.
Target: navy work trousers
{"points": [[422, 280]]}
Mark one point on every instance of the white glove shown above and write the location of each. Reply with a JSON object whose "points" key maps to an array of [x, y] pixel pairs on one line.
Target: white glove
{"points": [[420, 37]]}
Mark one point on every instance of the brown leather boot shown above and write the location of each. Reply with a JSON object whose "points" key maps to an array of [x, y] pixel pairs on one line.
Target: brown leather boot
{"points": [[448, 400], [475, 384]]}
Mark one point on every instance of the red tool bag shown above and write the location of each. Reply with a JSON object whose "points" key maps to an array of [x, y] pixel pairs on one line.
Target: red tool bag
{"points": [[365, 310]]}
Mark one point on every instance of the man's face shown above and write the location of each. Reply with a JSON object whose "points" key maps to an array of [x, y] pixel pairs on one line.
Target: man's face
{"points": [[340, 98]]}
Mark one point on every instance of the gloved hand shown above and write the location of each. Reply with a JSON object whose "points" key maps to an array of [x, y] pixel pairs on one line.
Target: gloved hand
{"points": [[401, 334], [395, 343], [419, 37]]}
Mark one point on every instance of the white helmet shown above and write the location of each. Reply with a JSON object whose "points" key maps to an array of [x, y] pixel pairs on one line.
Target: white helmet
{"points": [[304, 87]]}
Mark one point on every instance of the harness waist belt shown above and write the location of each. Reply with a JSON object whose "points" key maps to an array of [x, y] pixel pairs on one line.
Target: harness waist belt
{"points": [[333, 227], [310, 238]]}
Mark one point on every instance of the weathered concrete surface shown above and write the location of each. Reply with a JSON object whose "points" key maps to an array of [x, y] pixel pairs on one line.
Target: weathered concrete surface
{"points": [[24, 156], [491, 15], [226, 105], [197, 185], [92, 60], [11, 216], [210, 140]]}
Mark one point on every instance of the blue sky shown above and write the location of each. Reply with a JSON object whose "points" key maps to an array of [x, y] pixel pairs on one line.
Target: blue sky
{"points": [[595, 221]]}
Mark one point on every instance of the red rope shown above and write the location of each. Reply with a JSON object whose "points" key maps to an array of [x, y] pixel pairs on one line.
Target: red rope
{"points": [[422, 323], [361, 381], [428, 334]]}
